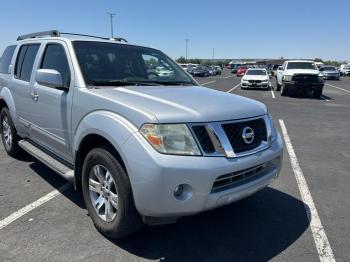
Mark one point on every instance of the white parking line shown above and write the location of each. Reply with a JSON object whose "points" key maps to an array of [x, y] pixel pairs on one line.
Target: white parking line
{"points": [[233, 88], [18, 214], [324, 249], [347, 91], [207, 83], [272, 93]]}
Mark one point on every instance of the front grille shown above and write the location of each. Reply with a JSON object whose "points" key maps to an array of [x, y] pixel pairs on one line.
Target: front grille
{"points": [[305, 78], [234, 132], [241, 177], [254, 81], [203, 139]]}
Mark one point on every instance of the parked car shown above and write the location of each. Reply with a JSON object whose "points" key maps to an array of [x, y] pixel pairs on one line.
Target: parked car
{"points": [[318, 64], [345, 69], [212, 71], [161, 71], [274, 69], [218, 70], [329, 72], [190, 68], [234, 67], [143, 148], [299, 76], [256, 78], [201, 71], [184, 66], [241, 71]]}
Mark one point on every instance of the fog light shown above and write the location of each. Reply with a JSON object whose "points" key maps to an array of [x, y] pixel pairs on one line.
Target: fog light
{"points": [[178, 190]]}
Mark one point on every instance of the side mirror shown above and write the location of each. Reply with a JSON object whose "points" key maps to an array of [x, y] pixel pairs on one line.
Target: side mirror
{"points": [[280, 68], [50, 78]]}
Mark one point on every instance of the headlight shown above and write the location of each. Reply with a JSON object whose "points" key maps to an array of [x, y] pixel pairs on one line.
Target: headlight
{"points": [[272, 128], [173, 139], [287, 78], [244, 80]]}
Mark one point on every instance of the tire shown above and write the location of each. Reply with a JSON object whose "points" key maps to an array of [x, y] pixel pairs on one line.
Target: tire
{"points": [[278, 86], [284, 90], [9, 136], [123, 218], [317, 93]]}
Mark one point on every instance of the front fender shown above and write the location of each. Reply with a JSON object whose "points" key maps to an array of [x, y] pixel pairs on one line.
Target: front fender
{"points": [[6, 96], [109, 125]]}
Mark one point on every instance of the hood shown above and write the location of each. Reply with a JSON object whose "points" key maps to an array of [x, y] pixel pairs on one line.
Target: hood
{"points": [[180, 104], [256, 77], [301, 71], [330, 71]]}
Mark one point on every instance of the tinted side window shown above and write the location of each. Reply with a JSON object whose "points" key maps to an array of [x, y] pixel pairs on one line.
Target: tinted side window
{"points": [[55, 58], [6, 59], [25, 61]]}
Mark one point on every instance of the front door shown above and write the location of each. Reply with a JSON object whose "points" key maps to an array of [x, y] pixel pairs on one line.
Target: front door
{"points": [[51, 107]]}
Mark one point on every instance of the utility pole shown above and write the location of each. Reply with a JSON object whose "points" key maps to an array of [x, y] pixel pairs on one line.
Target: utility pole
{"points": [[111, 16], [187, 47], [213, 53]]}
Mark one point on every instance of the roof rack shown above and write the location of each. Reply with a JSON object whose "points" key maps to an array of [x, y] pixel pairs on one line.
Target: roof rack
{"points": [[56, 33], [52, 33], [119, 39]]}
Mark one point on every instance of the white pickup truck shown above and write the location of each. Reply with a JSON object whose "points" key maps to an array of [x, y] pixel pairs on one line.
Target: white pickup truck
{"points": [[301, 76]]}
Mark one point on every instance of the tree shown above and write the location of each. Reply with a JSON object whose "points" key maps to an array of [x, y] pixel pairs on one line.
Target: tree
{"points": [[181, 60]]}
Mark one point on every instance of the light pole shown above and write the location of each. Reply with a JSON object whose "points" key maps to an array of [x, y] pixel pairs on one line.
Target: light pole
{"points": [[187, 47], [213, 54], [111, 16]]}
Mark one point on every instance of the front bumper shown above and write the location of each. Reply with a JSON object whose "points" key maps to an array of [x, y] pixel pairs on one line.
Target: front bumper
{"points": [[330, 77], [154, 176], [255, 85], [299, 86]]}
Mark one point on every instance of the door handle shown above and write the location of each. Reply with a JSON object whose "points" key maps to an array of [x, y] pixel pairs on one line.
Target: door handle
{"points": [[34, 95]]}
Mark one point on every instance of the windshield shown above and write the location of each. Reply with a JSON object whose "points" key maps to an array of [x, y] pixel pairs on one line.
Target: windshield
{"points": [[328, 68], [256, 72], [104, 64], [301, 65]]}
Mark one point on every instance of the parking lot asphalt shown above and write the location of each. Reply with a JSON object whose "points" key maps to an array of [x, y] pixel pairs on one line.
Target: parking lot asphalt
{"points": [[270, 225]]}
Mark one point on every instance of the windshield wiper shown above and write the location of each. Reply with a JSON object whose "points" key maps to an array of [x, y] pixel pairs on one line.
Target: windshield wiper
{"points": [[123, 83], [176, 83]]}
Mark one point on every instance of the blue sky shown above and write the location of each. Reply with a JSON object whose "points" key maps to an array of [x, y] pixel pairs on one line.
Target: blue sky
{"points": [[236, 29]]}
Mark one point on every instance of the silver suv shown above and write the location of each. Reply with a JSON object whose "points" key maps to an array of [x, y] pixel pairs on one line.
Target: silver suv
{"points": [[143, 146]]}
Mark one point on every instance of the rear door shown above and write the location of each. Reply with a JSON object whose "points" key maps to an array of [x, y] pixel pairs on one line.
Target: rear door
{"points": [[20, 85], [51, 110]]}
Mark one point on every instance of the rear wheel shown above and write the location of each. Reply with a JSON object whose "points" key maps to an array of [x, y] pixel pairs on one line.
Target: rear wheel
{"points": [[9, 135], [108, 195]]}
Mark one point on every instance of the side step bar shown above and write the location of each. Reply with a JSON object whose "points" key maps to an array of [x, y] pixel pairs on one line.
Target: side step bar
{"points": [[48, 160]]}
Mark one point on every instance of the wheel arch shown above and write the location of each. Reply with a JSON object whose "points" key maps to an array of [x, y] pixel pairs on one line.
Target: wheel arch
{"points": [[6, 100], [98, 129]]}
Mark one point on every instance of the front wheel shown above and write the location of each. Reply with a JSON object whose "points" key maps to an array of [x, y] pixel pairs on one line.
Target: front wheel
{"points": [[278, 86], [107, 194], [9, 135], [317, 93], [284, 90]]}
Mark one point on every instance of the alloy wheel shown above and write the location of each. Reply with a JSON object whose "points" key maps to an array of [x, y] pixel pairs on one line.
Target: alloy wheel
{"points": [[103, 193], [6, 132]]}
